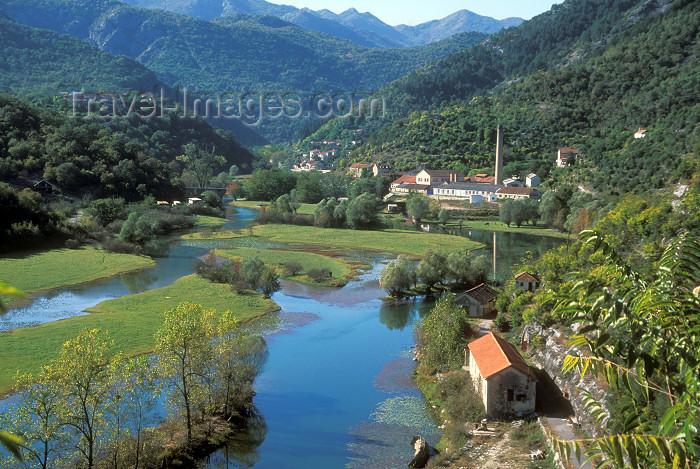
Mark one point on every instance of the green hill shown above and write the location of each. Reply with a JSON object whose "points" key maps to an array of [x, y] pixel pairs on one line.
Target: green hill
{"points": [[646, 75], [234, 54], [39, 61]]}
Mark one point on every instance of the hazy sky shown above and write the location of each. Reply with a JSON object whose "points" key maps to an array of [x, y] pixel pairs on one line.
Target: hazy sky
{"points": [[413, 12]]}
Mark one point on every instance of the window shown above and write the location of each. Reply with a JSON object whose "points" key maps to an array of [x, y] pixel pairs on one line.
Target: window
{"points": [[511, 395]]}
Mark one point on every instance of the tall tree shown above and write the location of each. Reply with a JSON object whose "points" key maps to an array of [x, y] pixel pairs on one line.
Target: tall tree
{"points": [[183, 346]]}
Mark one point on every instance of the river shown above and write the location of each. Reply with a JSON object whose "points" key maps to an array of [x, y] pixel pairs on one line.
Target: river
{"points": [[337, 389]]}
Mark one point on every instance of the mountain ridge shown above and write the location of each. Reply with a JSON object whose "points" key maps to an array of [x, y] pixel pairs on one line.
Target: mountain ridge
{"points": [[366, 29]]}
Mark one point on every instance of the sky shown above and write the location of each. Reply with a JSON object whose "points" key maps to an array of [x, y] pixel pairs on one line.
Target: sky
{"points": [[414, 12]]}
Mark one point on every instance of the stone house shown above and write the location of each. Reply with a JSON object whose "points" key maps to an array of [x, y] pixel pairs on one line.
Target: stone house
{"points": [[480, 301], [566, 156], [465, 189], [527, 281], [357, 168], [505, 382]]}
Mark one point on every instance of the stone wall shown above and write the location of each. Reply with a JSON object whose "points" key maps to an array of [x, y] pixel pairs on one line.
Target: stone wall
{"points": [[550, 358]]}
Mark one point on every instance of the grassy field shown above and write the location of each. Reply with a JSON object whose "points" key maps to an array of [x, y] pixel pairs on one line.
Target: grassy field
{"points": [[131, 321], [208, 235], [61, 267], [399, 241], [342, 270], [203, 220], [305, 208], [494, 225]]}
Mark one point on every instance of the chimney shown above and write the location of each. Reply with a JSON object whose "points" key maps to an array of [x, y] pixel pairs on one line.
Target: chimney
{"points": [[499, 157]]}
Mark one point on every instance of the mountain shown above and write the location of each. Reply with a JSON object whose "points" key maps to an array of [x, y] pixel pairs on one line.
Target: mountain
{"points": [[362, 28], [460, 21], [40, 61], [234, 54], [639, 68]]}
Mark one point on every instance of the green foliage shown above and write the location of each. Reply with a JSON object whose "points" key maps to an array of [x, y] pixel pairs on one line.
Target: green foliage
{"points": [[432, 269], [418, 207], [640, 336], [460, 400], [25, 218], [35, 60], [362, 212], [200, 163], [467, 270], [107, 210], [268, 185], [442, 335], [260, 277], [398, 276]]}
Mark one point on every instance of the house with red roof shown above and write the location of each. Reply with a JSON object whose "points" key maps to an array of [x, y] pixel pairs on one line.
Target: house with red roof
{"points": [[505, 382]]}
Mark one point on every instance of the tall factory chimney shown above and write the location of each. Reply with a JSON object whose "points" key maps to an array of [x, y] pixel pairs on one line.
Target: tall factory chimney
{"points": [[499, 157]]}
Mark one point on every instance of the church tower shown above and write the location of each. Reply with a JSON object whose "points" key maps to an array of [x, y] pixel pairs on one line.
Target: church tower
{"points": [[499, 157]]}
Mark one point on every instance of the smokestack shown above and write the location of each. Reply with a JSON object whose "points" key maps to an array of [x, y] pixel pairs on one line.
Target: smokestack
{"points": [[499, 157]]}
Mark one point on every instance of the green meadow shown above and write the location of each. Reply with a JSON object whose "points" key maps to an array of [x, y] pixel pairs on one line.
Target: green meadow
{"points": [[399, 241], [342, 270], [61, 267], [255, 205], [131, 321]]}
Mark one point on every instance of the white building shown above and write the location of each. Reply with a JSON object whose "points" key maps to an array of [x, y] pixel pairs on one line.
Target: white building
{"points": [[502, 378], [466, 189], [512, 182], [532, 180]]}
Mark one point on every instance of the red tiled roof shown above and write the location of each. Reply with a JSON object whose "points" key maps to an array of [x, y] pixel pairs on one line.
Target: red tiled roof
{"points": [[526, 277], [483, 293], [516, 190], [482, 178], [493, 355], [405, 178], [361, 165]]}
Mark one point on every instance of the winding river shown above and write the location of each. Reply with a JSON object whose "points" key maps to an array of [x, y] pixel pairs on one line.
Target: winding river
{"points": [[337, 390]]}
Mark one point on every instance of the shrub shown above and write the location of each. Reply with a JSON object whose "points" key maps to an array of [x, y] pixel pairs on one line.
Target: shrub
{"points": [[292, 268], [72, 244], [460, 400], [319, 275], [118, 245]]}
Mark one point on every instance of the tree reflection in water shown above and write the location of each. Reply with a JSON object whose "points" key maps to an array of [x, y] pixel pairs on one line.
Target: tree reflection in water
{"points": [[399, 316], [241, 451]]}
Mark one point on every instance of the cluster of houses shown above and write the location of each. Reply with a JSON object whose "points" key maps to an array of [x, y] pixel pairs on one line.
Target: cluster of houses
{"points": [[500, 376]]}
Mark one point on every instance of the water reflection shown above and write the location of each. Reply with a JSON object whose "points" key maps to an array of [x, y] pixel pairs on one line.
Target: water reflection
{"points": [[399, 316], [243, 449]]}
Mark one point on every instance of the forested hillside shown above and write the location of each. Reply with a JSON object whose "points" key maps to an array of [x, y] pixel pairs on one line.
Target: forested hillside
{"points": [[644, 77], [127, 158], [40, 61], [235, 54]]}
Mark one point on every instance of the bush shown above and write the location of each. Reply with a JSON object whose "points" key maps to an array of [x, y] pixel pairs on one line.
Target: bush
{"points": [[501, 322], [224, 272], [292, 268], [460, 400], [118, 245], [72, 244], [319, 275]]}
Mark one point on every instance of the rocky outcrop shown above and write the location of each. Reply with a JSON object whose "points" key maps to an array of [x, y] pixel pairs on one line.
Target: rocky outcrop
{"points": [[420, 458], [550, 358]]}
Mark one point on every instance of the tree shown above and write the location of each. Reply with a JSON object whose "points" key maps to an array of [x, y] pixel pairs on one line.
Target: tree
{"points": [[444, 216], [397, 276], [505, 212], [418, 207], [200, 163], [641, 336], [442, 335], [183, 346], [466, 270], [260, 277], [107, 210], [362, 212], [82, 371], [432, 269]]}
